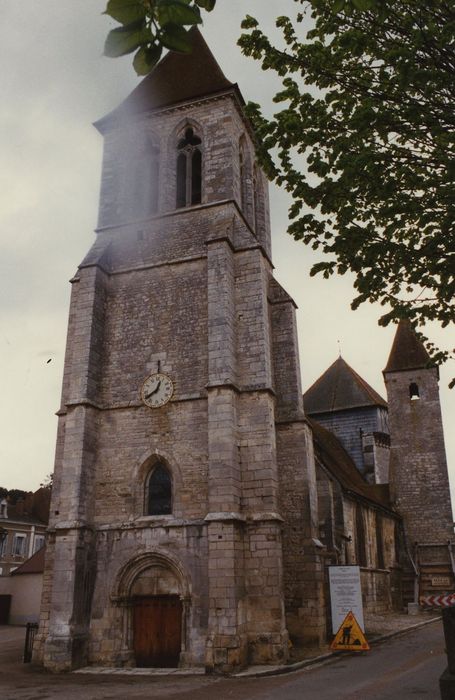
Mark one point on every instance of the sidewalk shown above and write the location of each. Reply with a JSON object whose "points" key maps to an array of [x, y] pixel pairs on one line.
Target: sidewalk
{"points": [[378, 628]]}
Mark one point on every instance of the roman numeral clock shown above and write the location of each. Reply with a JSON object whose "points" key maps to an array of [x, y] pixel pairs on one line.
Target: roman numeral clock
{"points": [[157, 390]]}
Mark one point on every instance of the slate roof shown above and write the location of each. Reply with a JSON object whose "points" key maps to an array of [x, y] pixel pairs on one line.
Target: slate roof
{"points": [[34, 565], [15, 515], [408, 351], [331, 453], [176, 78], [340, 388]]}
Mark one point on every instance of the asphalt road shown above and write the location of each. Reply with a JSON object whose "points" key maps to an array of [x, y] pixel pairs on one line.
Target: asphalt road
{"points": [[405, 668]]}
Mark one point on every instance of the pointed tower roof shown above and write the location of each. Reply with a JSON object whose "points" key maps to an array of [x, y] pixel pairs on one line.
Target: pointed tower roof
{"points": [[340, 388], [176, 78], [408, 351]]}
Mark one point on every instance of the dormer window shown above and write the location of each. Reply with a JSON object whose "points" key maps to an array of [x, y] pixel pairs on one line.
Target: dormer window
{"points": [[3, 508], [414, 392], [189, 170]]}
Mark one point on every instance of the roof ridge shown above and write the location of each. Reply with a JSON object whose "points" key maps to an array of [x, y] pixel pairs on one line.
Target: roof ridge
{"points": [[364, 384]]}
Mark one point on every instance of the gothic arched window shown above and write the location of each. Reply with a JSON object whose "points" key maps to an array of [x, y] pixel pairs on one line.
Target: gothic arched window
{"points": [[189, 170], [158, 499], [379, 543], [360, 541]]}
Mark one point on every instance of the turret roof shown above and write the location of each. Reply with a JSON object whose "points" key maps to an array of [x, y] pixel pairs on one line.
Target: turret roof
{"points": [[408, 351], [340, 388], [176, 78]]}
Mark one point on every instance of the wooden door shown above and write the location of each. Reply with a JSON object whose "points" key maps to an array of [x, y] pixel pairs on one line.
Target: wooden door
{"points": [[157, 631], [5, 605]]}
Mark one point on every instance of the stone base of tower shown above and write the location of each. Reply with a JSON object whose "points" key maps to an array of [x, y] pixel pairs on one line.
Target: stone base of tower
{"points": [[226, 654], [307, 622], [268, 649], [65, 653]]}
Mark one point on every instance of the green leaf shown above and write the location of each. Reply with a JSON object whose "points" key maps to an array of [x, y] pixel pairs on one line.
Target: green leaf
{"points": [[177, 12], [127, 39], [176, 38], [146, 58], [338, 5], [126, 11], [249, 22], [206, 4], [363, 4]]}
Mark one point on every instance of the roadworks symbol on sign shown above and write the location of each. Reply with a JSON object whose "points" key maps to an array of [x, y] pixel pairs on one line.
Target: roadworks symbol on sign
{"points": [[350, 637]]}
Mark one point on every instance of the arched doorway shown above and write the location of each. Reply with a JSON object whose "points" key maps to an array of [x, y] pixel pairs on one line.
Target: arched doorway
{"points": [[157, 618], [155, 597]]}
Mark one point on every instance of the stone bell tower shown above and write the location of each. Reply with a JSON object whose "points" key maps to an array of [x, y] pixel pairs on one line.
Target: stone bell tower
{"points": [[184, 501], [419, 482]]}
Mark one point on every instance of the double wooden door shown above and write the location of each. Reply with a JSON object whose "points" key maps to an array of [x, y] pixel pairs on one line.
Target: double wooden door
{"points": [[157, 631]]}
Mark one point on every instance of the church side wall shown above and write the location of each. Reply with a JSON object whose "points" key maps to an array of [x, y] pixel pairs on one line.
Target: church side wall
{"points": [[377, 583]]}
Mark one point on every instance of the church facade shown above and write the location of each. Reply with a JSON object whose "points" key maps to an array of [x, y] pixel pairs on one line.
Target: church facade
{"points": [[185, 521]]}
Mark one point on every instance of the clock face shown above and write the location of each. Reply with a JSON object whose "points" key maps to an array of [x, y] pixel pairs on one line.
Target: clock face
{"points": [[157, 390]]}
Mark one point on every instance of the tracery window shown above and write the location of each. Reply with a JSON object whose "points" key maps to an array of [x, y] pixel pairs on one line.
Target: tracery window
{"points": [[159, 491], [360, 541], [379, 543], [189, 170]]}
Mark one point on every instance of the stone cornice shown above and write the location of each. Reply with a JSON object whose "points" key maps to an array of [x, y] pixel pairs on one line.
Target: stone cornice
{"points": [[201, 396], [182, 212], [240, 390], [222, 517]]}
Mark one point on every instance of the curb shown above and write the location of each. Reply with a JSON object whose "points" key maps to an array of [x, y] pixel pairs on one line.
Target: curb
{"points": [[325, 658]]}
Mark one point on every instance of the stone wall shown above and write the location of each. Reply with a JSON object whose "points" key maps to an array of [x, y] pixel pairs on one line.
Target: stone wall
{"points": [[25, 590], [419, 481], [189, 293]]}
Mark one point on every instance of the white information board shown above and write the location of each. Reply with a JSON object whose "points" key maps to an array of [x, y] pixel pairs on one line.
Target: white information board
{"points": [[345, 595]]}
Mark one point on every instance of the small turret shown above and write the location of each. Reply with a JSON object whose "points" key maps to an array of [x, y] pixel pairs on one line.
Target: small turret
{"points": [[419, 483]]}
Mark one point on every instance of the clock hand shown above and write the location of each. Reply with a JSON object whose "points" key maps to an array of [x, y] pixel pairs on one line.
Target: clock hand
{"points": [[154, 391]]}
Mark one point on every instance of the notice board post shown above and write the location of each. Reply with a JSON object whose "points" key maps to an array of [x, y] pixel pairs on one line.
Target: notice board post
{"points": [[345, 595]]}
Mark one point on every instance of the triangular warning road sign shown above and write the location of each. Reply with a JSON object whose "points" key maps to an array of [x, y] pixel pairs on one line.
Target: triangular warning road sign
{"points": [[350, 637]]}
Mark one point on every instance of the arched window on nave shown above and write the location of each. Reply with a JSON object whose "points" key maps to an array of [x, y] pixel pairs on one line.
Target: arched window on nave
{"points": [[158, 495]]}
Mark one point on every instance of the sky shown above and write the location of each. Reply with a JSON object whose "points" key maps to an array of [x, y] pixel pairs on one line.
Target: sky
{"points": [[54, 84]]}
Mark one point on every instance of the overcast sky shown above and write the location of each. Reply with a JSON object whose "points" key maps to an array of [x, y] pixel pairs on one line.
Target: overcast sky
{"points": [[54, 85]]}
